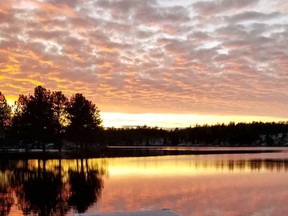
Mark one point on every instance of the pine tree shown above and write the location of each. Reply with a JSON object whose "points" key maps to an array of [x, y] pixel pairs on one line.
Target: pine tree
{"points": [[5, 117], [84, 120]]}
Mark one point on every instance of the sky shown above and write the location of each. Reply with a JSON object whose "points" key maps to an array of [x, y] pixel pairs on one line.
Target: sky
{"points": [[155, 62]]}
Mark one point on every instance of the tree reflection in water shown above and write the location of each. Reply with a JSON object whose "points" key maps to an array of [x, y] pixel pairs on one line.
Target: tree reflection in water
{"points": [[6, 201], [252, 165], [84, 184], [41, 191], [6, 192]]}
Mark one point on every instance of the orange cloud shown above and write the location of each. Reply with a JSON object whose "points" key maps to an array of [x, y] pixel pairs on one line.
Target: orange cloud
{"points": [[12, 69]]}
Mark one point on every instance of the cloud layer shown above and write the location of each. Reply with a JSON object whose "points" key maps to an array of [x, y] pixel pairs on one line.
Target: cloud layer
{"points": [[206, 57]]}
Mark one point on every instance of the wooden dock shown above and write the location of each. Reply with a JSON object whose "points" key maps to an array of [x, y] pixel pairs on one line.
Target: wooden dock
{"points": [[163, 212]]}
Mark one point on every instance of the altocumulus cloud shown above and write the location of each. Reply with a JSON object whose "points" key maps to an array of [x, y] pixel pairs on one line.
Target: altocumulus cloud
{"points": [[206, 57]]}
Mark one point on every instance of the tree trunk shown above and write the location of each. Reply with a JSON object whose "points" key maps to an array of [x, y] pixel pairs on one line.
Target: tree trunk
{"points": [[43, 147]]}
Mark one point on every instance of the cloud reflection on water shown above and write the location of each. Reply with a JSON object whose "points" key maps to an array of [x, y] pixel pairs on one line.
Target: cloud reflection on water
{"points": [[226, 185]]}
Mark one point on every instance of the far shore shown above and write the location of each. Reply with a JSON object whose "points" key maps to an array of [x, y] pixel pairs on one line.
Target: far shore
{"points": [[131, 151]]}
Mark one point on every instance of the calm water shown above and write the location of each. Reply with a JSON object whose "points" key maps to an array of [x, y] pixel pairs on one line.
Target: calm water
{"points": [[196, 185]]}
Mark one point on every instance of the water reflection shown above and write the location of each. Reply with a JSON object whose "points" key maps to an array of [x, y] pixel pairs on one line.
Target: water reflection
{"points": [[62, 187], [195, 165], [253, 165], [50, 187], [84, 184], [37, 190], [199, 185]]}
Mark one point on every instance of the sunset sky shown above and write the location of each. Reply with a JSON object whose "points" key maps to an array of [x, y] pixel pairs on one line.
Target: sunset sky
{"points": [[167, 63]]}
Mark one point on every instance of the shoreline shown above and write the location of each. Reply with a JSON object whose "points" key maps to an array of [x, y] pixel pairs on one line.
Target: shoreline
{"points": [[113, 152]]}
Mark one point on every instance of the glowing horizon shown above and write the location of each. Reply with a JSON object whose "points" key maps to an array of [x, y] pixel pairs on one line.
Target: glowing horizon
{"points": [[173, 120], [170, 120]]}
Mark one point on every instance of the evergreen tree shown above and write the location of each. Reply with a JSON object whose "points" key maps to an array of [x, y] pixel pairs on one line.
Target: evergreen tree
{"points": [[35, 121], [5, 117], [60, 103], [84, 120]]}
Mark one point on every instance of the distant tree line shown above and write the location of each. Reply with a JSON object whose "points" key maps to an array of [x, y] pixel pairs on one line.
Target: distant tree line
{"points": [[47, 118], [232, 134]]}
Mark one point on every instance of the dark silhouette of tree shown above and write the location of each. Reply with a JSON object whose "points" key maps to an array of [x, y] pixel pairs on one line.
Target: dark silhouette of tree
{"points": [[60, 103], [35, 121], [84, 120], [240, 134], [5, 117], [39, 191], [175, 136], [86, 187], [143, 135], [18, 133]]}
